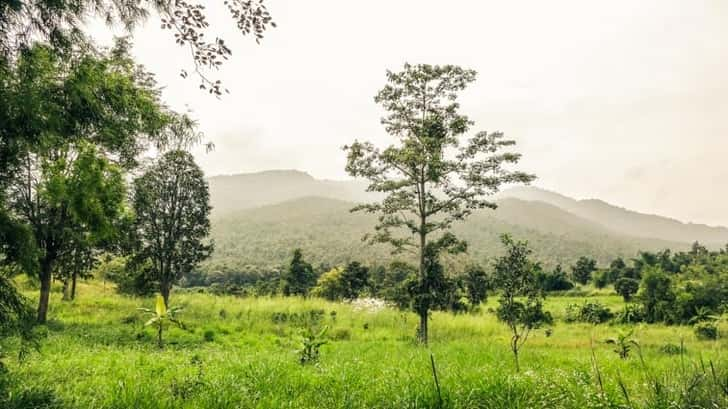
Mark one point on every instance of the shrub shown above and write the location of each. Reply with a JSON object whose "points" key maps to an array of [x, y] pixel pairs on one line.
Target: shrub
{"points": [[554, 281], [626, 287], [311, 344], [591, 312], [706, 331], [671, 349], [631, 314], [208, 335], [341, 334]]}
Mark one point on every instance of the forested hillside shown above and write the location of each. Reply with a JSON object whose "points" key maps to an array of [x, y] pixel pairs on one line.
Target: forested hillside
{"points": [[259, 218], [329, 233], [626, 221]]}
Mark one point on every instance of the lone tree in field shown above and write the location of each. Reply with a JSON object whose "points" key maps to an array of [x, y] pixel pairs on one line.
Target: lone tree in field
{"points": [[300, 277], [521, 300], [583, 269], [172, 206], [429, 177]]}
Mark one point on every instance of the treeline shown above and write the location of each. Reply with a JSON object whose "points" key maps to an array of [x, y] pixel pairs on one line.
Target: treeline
{"points": [[665, 286]]}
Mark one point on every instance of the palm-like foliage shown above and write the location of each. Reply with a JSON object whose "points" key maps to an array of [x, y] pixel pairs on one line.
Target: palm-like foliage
{"points": [[160, 316], [623, 343]]}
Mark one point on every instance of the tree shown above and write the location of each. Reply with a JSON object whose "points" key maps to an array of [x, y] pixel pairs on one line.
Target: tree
{"points": [[616, 270], [355, 278], [554, 281], [89, 114], [172, 206], [300, 277], [656, 295], [61, 24], [330, 285], [428, 178], [626, 287], [583, 269], [521, 301], [476, 284]]}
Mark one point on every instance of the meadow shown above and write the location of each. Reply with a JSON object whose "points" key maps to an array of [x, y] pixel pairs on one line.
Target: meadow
{"points": [[243, 353]]}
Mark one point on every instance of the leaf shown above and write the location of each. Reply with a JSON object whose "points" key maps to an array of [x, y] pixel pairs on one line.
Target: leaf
{"points": [[151, 321], [160, 307]]}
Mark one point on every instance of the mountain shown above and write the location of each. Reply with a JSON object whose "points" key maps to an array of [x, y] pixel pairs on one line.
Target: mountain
{"points": [[624, 221], [235, 192], [259, 218]]}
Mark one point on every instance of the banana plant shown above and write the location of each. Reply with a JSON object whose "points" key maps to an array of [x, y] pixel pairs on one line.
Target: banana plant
{"points": [[161, 315], [311, 343], [623, 343]]}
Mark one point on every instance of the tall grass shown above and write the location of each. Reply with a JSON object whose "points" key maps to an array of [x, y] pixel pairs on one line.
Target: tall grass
{"points": [[241, 353]]}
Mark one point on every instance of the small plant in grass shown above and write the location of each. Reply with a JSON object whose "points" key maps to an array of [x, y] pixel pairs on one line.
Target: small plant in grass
{"points": [[160, 316], [311, 344], [706, 330], [672, 349], [521, 301], [623, 343]]}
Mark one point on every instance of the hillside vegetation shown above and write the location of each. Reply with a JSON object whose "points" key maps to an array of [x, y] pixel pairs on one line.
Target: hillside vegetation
{"points": [[329, 233]]}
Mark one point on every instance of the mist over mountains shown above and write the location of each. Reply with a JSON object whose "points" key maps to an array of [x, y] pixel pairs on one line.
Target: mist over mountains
{"points": [[259, 218]]}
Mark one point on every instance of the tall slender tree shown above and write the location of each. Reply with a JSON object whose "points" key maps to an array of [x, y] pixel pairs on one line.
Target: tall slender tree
{"points": [[429, 177]]}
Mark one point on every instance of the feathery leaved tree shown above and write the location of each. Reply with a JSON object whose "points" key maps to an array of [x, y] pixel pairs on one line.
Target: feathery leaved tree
{"points": [[430, 178], [172, 205], [62, 24]]}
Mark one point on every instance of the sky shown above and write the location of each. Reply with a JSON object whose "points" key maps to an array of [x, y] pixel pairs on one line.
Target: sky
{"points": [[624, 101]]}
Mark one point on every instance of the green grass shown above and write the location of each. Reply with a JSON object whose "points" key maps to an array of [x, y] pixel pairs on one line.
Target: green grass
{"points": [[235, 354]]}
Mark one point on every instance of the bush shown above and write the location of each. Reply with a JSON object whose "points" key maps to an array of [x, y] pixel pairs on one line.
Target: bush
{"points": [[591, 312], [706, 331], [341, 334], [631, 314], [554, 281], [208, 335], [671, 349], [626, 287]]}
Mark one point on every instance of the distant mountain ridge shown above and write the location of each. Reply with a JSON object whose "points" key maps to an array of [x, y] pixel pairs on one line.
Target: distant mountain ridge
{"points": [[232, 194], [623, 220]]}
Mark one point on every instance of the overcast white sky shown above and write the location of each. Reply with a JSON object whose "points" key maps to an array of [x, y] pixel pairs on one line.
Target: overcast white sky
{"points": [[626, 101]]}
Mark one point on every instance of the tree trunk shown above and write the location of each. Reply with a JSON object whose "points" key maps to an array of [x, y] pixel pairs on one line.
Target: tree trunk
{"points": [[74, 278], [423, 309], [159, 335], [45, 290], [164, 289], [66, 291], [514, 347]]}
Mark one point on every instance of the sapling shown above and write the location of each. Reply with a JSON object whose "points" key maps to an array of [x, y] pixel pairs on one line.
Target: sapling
{"points": [[623, 343], [160, 316], [311, 343], [521, 300]]}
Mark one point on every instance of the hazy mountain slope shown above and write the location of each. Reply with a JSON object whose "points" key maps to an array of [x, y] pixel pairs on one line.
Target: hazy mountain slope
{"points": [[625, 221], [328, 233], [243, 191]]}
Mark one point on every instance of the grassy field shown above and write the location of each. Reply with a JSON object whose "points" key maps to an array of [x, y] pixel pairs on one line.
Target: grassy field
{"points": [[242, 352]]}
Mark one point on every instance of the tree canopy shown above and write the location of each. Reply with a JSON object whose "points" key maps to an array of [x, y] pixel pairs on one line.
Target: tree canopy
{"points": [[429, 178]]}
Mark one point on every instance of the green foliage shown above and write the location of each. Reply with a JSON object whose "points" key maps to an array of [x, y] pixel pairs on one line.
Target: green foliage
{"points": [[311, 343], [300, 277], [623, 343], [657, 296], [589, 312], [626, 287], [422, 113], [706, 330], [520, 305], [554, 281], [343, 283], [631, 314], [582, 271], [161, 316], [477, 284], [172, 208], [63, 25]]}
